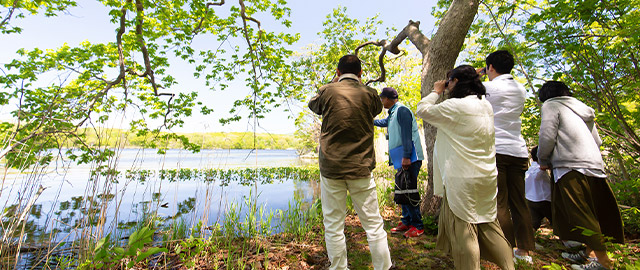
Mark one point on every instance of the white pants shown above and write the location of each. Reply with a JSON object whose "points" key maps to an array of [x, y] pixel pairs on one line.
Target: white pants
{"points": [[334, 210]]}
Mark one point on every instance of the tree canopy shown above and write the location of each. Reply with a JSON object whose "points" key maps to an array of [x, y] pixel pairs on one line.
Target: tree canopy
{"points": [[590, 45], [132, 73]]}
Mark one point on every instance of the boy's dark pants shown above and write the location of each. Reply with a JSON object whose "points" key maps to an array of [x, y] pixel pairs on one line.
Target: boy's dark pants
{"points": [[411, 215], [513, 213], [538, 211]]}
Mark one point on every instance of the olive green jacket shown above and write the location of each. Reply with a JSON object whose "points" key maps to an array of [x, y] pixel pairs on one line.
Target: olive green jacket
{"points": [[347, 108]]}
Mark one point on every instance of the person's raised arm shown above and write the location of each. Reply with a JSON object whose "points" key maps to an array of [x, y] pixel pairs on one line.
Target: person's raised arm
{"points": [[315, 104], [596, 136], [438, 115]]}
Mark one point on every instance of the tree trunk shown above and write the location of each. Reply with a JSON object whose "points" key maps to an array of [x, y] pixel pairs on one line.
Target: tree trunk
{"points": [[438, 57], [436, 62]]}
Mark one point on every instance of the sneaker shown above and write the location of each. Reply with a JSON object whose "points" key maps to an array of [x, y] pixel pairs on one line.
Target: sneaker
{"points": [[413, 232], [592, 265], [525, 258], [571, 243], [400, 228], [574, 257]]}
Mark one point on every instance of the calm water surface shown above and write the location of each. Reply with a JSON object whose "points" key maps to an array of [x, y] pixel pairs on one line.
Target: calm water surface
{"points": [[70, 194]]}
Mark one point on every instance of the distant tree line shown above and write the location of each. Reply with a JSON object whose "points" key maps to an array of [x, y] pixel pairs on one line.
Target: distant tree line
{"points": [[113, 138]]}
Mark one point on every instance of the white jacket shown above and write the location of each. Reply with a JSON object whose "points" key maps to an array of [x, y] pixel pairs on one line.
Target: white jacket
{"points": [[464, 155]]}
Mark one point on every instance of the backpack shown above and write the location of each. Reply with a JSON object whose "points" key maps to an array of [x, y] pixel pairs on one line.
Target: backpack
{"points": [[406, 191]]}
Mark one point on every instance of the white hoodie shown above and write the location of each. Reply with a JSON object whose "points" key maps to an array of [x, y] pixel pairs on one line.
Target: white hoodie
{"points": [[568, 137]]}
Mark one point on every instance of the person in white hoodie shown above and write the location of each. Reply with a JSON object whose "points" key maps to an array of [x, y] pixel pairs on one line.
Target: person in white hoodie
{"points": [[569, 144]]}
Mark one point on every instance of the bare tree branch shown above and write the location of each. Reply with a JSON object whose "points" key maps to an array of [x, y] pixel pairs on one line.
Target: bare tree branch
{"points": [[254, 57], [383, 71], [245, 31], [147, 62], [9, 14], [410, 31]]}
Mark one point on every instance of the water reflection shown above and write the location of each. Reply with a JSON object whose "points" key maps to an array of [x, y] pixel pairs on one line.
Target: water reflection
{"points": [[87, 202]]}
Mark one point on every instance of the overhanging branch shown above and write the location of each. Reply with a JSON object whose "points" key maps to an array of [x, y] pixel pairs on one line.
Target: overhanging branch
{"points": [[383, 71], [410, 31]]}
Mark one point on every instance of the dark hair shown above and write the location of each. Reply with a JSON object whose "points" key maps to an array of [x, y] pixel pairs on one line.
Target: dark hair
{"points": [[501, 60], [349, 64], [534, 153], [468, 82], [551, 89]]}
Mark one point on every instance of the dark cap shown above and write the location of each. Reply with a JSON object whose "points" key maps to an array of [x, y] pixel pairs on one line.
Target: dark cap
{"points": [[389, 92]]}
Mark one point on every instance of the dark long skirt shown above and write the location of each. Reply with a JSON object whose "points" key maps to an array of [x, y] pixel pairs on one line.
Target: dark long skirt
{"points": [[582, 202]]}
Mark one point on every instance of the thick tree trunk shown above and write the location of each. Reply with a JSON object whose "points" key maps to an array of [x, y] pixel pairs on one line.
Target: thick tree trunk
{"points": [[436, 62], [438, 57]]}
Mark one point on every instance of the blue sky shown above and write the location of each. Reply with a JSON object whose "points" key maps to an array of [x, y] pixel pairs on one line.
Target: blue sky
{"points": [[89, 21]]}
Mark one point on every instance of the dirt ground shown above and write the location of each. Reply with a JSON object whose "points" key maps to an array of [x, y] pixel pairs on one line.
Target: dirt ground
{"points": [[285, 252]]}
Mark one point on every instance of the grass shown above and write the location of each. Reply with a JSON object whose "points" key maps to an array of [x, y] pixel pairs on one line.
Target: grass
{"points": [[306, 251]]}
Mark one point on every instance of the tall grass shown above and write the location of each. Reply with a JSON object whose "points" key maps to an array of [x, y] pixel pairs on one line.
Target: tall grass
{"points": [[298, 220]]}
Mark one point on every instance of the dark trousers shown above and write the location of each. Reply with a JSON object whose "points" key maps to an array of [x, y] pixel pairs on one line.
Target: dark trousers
{"points": [[588, 202], [411, 213], [513, 213], [538, 211]]}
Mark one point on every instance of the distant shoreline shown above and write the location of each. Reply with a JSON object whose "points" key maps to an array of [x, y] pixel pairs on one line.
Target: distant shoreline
{"points": [[210, 140]]}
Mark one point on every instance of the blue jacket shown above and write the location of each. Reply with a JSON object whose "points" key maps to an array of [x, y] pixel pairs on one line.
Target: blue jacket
{"points": [[403, 130]]}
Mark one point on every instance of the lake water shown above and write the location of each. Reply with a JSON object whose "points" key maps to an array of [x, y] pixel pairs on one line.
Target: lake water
{"points": [[71, 191]]}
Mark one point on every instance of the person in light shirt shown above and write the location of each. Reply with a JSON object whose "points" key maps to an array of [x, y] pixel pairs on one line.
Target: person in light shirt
{"points": [[507, 99], [569, 144], [464, 171], [538, 194], [538, 191]]}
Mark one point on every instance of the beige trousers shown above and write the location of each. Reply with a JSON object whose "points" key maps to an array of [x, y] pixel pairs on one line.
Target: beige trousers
{"points": [[334, 210], [467, 242]]}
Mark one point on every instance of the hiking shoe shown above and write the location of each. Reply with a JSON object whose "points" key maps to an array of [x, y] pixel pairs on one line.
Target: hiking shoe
{"points": [[571, 244], [592, 265], [574, 257], [400, 228], [413, 232], [524, 258]]}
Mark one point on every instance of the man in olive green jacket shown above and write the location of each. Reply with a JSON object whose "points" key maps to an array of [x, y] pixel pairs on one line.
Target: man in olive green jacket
{"points": [[346, 159]]}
